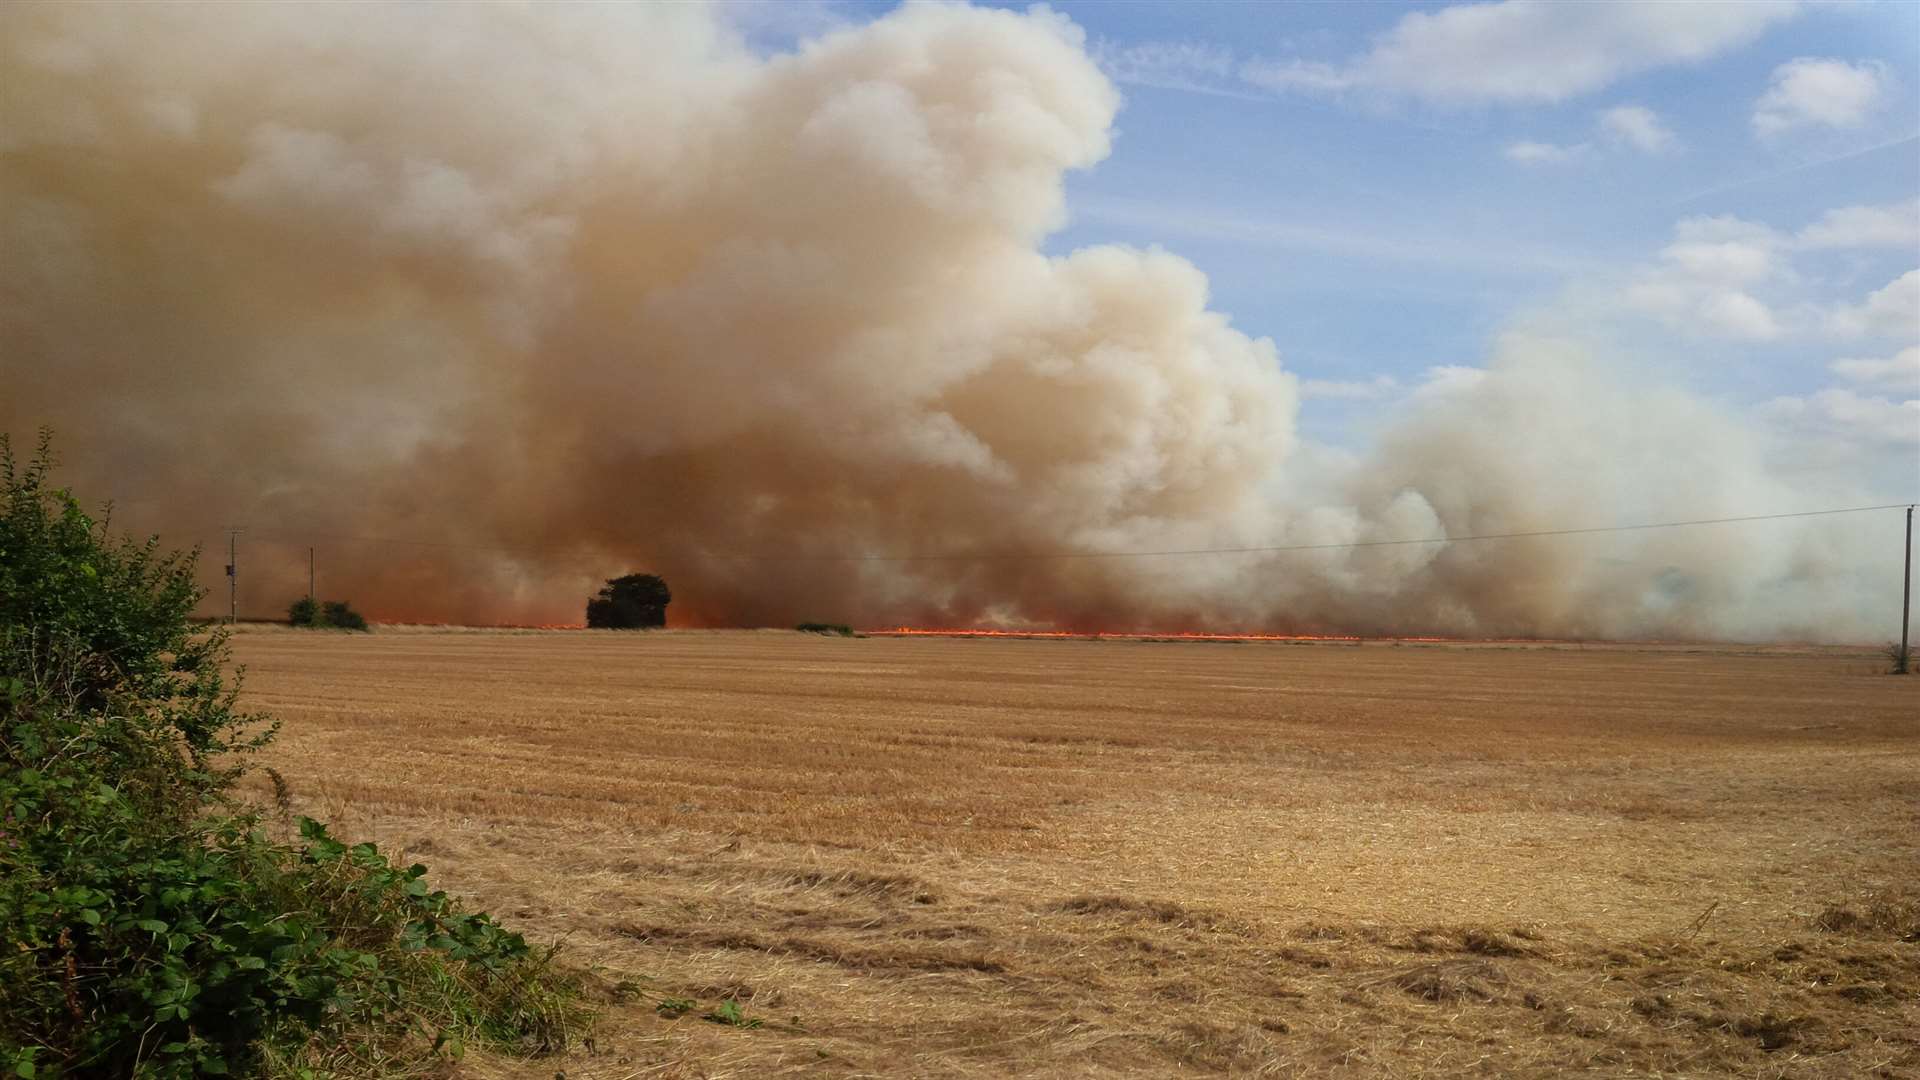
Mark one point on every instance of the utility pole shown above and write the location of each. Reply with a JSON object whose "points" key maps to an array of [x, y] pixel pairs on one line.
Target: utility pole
{"points": [[233, 576], [1906, 599]]}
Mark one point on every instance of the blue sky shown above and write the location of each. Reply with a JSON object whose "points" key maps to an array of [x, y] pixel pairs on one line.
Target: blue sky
{"points": [[1381, 188]]}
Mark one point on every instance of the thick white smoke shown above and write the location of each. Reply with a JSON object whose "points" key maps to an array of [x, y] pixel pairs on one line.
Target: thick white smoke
{"points": [[574, 290]]}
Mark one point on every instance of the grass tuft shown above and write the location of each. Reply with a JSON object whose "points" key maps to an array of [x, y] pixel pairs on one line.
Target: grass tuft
{"points": [[1891, 913]]}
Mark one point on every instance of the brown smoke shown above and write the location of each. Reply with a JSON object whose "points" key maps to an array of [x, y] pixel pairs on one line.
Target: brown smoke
{"points": [[566, 291]]}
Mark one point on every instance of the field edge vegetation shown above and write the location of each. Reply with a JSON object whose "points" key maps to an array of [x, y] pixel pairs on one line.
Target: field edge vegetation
{"points": [[158, 925]]}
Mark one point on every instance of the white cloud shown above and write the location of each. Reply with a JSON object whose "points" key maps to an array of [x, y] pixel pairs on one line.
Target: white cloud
{"points": [[1633, 126], [1639, 127], [1893, 311], [1160, 221], [1528, 51], [1314, 76], [1446, 379], [1704, 279], [1723, 250], [1816, 91], [1173, 65], [1728, 277], [1899, 372], [1351, 390], [1739, 315], [1842, 413], [1540, 153], [1512, 52], [1895, 225]]}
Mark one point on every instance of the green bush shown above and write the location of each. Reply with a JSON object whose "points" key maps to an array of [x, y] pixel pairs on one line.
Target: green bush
{"points": [[152, 926], [304, 612], [333, 614], [341, 617], [825, 628]]}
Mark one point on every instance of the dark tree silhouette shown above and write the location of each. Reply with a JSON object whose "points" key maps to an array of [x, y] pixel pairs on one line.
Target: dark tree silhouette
{"points": [[634, 602]]}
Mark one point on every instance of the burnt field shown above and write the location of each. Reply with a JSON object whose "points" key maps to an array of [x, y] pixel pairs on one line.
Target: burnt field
{"points": [[988, 857]]}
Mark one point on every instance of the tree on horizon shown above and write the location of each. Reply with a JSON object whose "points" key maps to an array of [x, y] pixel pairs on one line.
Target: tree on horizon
{"points": [[633, 602]]}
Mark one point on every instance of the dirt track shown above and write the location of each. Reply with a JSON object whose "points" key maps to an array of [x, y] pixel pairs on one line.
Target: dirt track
{"points": [[984, 857]]}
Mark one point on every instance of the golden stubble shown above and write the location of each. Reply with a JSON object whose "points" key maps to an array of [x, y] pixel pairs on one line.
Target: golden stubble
{"points": [[985, 858]]}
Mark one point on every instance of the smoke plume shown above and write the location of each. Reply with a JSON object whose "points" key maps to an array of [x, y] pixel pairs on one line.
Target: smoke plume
{"points": [[554, 293]]}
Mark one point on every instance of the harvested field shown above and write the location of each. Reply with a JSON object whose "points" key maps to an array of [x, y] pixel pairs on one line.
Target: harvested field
{"points": [[978, 858]]}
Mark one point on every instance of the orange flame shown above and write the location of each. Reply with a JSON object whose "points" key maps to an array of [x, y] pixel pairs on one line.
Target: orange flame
{"points": [[1180, 635]]}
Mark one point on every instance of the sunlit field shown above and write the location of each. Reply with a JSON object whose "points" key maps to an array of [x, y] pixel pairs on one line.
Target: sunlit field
{"points": [[942, 857]]}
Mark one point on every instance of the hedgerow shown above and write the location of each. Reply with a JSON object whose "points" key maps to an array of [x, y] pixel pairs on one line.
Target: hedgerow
{"points": [[152, 923]]}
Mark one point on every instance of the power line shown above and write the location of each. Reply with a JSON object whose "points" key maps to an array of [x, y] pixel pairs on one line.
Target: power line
{"points": [[1266, 548], [1176, 552], [1463, 539]]}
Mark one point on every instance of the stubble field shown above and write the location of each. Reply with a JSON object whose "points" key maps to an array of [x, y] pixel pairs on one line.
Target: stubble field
{"points": [[973, 858]]}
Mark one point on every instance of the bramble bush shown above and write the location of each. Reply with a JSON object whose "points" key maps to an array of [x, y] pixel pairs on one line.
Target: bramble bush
{"points": [[304, 612], [334, 614], [152, 925], [338, 615]]}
